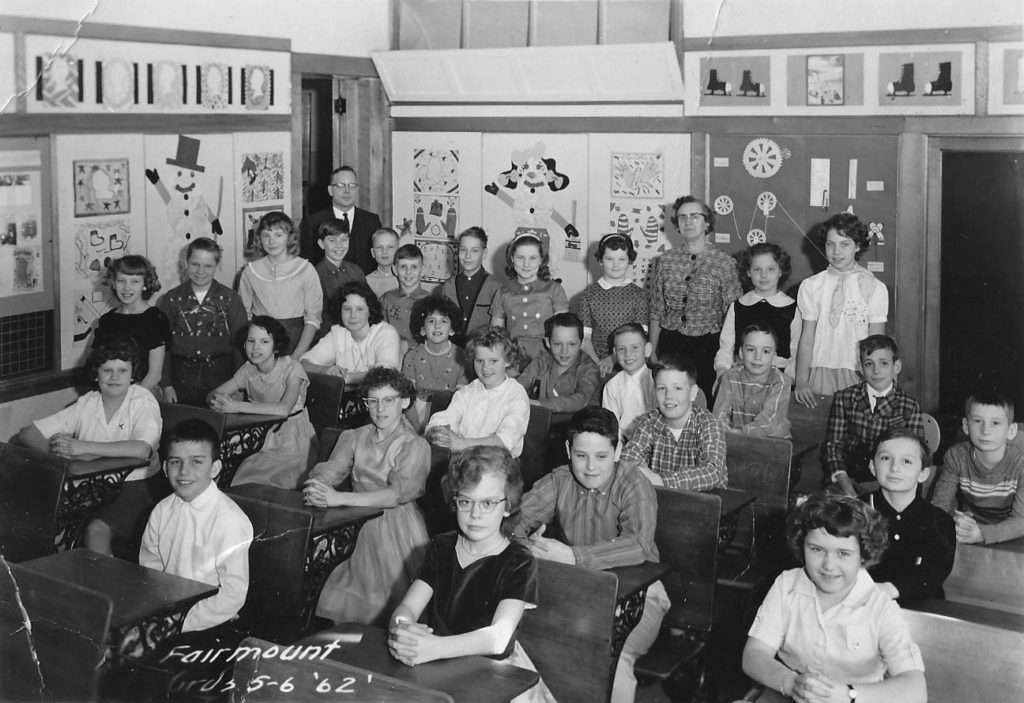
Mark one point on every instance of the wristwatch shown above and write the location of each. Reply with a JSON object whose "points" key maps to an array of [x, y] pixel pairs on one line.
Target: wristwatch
{"points": [[851, 691]]}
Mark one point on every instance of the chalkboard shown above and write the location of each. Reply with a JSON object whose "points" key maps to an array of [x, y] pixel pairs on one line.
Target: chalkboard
{"points": [[764, 185]]}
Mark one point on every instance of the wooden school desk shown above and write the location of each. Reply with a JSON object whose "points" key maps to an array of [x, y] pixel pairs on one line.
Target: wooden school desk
{"points": [[89, 485], [332, 539], [149, 605], [472, 679], [244, 434], [629, 599], [733, 502]]}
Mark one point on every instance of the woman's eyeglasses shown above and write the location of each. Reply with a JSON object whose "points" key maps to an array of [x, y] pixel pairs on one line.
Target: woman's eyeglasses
{"points": [[692, 217], [385, 402], [487, 506]]}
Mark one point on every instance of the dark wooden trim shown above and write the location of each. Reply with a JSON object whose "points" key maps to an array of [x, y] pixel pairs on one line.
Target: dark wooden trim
{"points": [[652, 125], [911, 296], [33, 124], [36, 384], [995, 126], [956, 35], [325, 65], [151, 35]]}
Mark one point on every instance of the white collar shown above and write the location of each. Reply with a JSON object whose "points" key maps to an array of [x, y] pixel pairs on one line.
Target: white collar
{"points": [[608, 285], [351, 212], [880, 394]]}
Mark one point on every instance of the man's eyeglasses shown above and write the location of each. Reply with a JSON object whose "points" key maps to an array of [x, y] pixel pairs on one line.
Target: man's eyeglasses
{"points": [[692, 217], [487, 506], [385, 402], [345, 186]]}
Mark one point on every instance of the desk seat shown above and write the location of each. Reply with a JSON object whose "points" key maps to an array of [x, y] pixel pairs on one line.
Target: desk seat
{"points": [[31, 490], [989, 575]]}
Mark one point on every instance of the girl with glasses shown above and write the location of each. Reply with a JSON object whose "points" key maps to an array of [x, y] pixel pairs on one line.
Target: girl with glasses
{"points": [[388, 464], [475, 583]]}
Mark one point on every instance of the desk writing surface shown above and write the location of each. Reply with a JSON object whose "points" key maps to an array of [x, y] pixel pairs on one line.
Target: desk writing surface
{"points": [[104, 464], [638, 576], [323, 518], [137, 592], [472, 679], [733, 499], [234, 421]]}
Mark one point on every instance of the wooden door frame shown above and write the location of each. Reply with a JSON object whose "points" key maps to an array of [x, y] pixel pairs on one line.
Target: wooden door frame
{"points": [[931, 310]]}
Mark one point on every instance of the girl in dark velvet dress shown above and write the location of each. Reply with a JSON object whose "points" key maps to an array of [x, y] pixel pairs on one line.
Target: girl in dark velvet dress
{"points": [[475, 583]]}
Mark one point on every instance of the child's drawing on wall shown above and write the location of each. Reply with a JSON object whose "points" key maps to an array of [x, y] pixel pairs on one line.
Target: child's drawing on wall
{"points": [[528, 187]]}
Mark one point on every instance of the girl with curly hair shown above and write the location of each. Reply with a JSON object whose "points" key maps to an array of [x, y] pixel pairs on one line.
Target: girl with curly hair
{"points": [[825, 631]]}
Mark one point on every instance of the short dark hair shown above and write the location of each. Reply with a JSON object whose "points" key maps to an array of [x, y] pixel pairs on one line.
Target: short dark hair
{"points": [[467, 470], [869, 345], [364, 291], [274, 328], [343, 168], [758, 326], [120, 347], [331, 227], [135, 265], [674, 361], [991, 398], [616, 242], [387, 377], [204, 244], [563, 319], [474, 231], [904, 433], [709, 214], [494, 338], [596, 420], [425, 307], [409, 251], [849, 226], [840, 516], [629, 328], [192, 430], [746, 257]]}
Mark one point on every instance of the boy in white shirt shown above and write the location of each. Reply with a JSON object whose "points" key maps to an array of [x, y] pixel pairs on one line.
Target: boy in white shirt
{"points": [[630, 393], [199, 532]]}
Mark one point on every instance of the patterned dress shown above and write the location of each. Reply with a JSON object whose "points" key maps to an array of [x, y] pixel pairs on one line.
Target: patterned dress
{"points": [[604, 308]]}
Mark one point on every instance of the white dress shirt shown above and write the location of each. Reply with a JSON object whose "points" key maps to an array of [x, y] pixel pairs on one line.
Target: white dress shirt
{"points": [[206, 540], [629, 396]]}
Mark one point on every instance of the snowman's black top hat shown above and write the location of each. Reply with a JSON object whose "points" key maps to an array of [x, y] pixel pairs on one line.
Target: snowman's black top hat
{"points": [[188, 154]]}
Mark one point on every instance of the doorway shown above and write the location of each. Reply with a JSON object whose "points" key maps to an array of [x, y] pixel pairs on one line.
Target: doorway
{"points": [[981, 309], [317, 142]]}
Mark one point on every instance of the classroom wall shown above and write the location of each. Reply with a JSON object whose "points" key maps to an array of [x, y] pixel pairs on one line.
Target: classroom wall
{"points": [[740, 18], [331, 27]]}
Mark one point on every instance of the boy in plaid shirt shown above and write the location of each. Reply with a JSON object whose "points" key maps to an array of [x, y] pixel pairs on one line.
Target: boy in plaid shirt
{"points": [[862, 412], [678, 445]]}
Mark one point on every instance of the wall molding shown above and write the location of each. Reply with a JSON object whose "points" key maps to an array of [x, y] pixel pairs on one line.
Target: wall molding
{"points": [[892, 36]]}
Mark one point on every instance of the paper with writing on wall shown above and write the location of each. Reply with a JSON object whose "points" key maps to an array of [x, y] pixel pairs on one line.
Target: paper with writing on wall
{"points": [[820, 182]]}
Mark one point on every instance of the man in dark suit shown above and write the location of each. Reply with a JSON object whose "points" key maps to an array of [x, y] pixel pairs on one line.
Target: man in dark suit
{"points": [[344, 189]]}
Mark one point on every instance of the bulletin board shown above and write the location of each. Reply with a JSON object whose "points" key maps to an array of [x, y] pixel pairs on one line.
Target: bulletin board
{"points": [[777, 188]]}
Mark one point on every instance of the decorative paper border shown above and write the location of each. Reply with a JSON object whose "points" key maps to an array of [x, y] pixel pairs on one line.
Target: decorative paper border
{"points": [[105, 76]]}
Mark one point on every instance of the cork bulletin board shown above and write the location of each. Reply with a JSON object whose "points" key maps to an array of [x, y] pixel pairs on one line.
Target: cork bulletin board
{"points": [[777, 188]]}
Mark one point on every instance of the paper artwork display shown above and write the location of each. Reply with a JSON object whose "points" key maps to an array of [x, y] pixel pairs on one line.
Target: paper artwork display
{"points": [[192, 201], [119, 86], [215, 87], [1013, 77], [724, 80], [530, 188], [637, 175], [20, 248], [168, 85], [825, 80], [644, 223], [262, 175], [61, 85], [437, 216], [250, 219], [435, 171], [96, 245], [101, 187], [438, 259], [925, 78], [258, 88]]}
